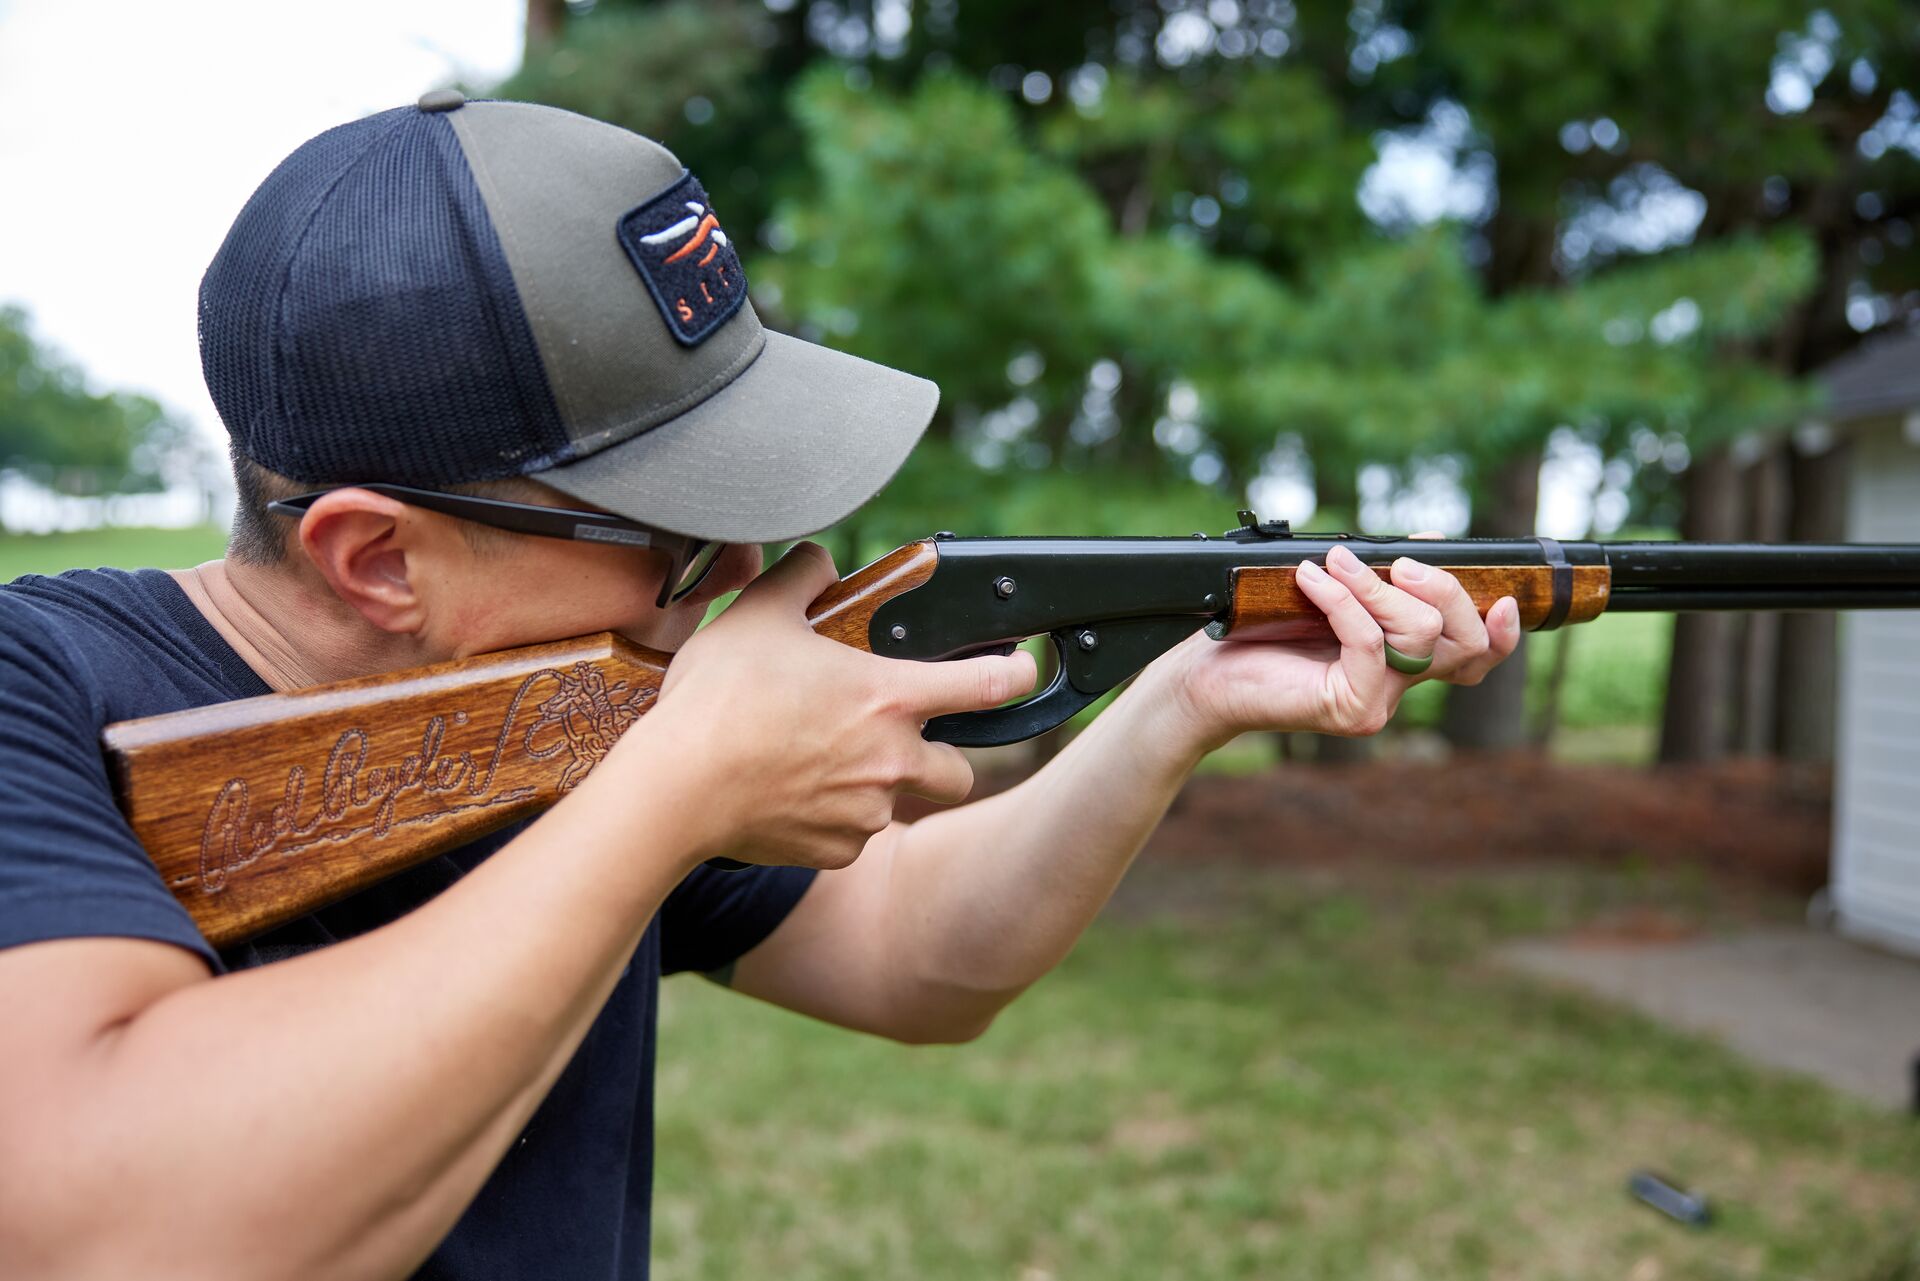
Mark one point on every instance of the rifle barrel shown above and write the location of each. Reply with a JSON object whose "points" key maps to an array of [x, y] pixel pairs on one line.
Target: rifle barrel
{"points": [[1682, 600], [1675, 577]]}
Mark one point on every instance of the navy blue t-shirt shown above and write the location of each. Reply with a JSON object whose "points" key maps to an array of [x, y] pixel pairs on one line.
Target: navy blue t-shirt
{"points": [[77, 652]]}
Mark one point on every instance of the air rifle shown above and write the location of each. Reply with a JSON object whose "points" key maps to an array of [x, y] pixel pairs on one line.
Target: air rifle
{"points": [[262, 810]]}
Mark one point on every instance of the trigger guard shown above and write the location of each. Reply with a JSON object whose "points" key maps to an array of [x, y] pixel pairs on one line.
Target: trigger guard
{"points": [[1089, 661], [999, 726]]}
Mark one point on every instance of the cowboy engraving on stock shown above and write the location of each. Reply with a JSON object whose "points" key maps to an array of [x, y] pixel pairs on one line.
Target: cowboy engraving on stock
{"points": [[412, 768], [584, 709]]}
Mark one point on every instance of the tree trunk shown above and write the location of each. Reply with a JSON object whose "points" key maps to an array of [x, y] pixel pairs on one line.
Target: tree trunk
{"points": [[1697, 718], [1335, 491], [1547, 716], [545, 20], [1806, 685], [1548, 722], [1492, 716], [1757, 709], [845, 545]]}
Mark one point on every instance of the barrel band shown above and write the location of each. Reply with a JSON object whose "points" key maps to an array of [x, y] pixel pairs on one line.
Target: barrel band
{"points": [[1556, 558]]}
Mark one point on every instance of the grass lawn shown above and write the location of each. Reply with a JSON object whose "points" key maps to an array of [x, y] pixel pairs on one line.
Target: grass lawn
{"points": [[1242, 1073], [119, 548]]}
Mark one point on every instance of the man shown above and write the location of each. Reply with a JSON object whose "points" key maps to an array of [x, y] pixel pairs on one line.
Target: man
{"points": [[452, 1072]]}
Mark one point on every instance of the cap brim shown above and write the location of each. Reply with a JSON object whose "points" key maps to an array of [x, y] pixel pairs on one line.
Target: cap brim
{"points": [[797, 442]]}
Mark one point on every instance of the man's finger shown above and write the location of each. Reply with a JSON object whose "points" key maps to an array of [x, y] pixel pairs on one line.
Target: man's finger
{"points": [[942, 774], [793, 581], [1362, 652], [1503, 629], [1411, 625], [1463, 636], [966, 684], [1503, 637]]}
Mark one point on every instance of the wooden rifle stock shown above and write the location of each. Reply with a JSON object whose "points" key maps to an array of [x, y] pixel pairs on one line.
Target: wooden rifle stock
{"points": [[262, 810]]}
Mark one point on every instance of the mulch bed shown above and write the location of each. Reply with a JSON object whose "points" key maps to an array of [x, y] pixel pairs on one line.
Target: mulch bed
{"points": [[1748, 819]]}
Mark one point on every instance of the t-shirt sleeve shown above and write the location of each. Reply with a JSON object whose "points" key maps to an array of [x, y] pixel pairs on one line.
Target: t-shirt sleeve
{"points": [[69, 864], [714, 918]]}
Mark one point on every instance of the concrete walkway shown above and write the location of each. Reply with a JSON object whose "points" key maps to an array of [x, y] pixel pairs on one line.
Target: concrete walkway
{"points": [[1789, 998]]}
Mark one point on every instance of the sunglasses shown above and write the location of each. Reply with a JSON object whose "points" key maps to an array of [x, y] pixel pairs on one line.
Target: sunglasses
{"points": [[691, 559]]}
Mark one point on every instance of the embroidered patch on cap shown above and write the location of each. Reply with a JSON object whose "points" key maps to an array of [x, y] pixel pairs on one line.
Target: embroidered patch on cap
{"points": [[691, 269]]}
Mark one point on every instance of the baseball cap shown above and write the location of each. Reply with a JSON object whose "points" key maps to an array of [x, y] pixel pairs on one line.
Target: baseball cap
{"points": [[460, 291]]}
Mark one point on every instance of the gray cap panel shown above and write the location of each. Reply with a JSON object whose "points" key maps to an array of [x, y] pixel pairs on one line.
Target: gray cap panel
{"points": [[803, 437], [614, 367]]}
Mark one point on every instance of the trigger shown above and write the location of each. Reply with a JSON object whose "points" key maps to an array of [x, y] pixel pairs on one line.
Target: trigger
{"points": [[1002, 650], [998, 726]]}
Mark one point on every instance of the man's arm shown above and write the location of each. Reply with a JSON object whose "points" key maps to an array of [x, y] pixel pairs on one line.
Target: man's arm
{"points": [[332, 1115], [942, 923]]}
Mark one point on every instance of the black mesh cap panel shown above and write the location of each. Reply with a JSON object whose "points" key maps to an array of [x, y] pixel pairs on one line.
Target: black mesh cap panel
{"points": [[360, 321]]}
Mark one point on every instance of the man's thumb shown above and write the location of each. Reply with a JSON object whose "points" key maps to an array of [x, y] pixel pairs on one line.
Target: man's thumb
{"points": [[793, 581]]}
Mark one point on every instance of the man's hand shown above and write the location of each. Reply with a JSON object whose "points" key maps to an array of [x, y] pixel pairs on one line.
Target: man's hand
{"points": [[948, 919], [796, 745], [1342, 685]]}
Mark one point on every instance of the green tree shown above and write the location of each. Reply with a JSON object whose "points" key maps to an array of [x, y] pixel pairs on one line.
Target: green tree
{"points": [[1769, 115], [67, 437]]}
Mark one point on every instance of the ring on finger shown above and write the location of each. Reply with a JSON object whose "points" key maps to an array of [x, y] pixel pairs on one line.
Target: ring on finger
{"points": [[1407, 664]]}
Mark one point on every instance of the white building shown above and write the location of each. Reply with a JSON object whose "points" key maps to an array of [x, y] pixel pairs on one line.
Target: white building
{"points": [[1874, 399]]}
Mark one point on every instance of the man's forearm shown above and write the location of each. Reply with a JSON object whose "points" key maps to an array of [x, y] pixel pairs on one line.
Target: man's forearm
{"points": [[987, 897], [334, 1114]]}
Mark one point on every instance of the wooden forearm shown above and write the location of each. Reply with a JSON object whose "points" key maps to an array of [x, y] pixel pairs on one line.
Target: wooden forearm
{"points": [[1268, 605]]}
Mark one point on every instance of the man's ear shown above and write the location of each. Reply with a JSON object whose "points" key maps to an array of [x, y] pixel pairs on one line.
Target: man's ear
{"points": [[367, 547]]}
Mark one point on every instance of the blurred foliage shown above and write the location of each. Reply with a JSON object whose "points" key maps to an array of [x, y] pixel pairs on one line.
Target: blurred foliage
{"points": [[641, 68], [1270, 139], [660, 68], [1133, 240], [114, 546], [59, 433], [936, 241]]}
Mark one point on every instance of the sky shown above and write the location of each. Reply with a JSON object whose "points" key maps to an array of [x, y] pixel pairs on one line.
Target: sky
{"points": [[132, 131]]}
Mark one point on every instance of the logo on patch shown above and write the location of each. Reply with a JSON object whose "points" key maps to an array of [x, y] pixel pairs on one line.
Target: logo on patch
{"points": [[690, 266]]}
